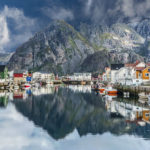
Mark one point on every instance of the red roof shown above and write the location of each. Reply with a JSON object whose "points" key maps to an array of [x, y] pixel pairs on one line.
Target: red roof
{"points": [[140, 68], [129, 65], [133, 65], [18, 75]]}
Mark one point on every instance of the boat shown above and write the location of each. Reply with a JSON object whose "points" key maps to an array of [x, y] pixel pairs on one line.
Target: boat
{"points": [[102, 90], [110, 91], [113, 95], [27, 85]]}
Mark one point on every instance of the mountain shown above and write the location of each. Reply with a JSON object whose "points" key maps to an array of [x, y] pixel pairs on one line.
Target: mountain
{"points": [[4, 58], [60, 48]]}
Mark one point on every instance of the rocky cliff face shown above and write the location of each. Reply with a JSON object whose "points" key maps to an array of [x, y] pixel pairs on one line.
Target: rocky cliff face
{"points": [[62, 49], [4, 58], [99, 60], [59, 48]]}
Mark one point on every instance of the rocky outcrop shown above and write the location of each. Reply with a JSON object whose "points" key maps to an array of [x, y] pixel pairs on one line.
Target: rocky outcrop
{"points": [[118, 37]]}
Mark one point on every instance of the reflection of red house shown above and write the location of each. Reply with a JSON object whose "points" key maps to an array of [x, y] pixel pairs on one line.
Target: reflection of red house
{"points": [[18, 96]]}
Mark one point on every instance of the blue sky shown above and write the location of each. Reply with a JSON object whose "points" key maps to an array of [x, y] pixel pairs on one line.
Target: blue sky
{"points": [[20, 19]]}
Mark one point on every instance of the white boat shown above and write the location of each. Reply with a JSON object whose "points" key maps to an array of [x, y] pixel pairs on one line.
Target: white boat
{"points": [[27, 85]]}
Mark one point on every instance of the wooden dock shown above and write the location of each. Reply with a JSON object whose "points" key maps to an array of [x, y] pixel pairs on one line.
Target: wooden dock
{"points": [[132, 90]]}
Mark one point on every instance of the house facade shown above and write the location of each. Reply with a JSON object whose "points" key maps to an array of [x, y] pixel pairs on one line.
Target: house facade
{"points": [[128, 74], [114, 70], [143, 73], [81, 77]]}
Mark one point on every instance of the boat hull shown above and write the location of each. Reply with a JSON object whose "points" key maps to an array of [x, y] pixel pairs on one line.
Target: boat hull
{"points": [[113, 92]]}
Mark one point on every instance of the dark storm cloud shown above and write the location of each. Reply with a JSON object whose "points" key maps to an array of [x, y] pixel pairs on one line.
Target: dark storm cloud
{"points": [[36, 14]]}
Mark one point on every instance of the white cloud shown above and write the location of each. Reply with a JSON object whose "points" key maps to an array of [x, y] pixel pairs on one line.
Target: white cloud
{"points": [[58, 13], [132, 8], [15, 28], [4, 33], [127, 8], [88, 6]]}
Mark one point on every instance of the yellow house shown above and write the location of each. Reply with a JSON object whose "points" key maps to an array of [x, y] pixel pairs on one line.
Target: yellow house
{"points": [[146, 116], [143, 73]]}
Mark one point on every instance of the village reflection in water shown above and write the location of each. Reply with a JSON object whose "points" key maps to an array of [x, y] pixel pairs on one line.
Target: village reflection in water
{"points": [[61, 110]]}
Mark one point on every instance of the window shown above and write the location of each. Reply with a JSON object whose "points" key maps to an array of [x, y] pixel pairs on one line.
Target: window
{"points": [[146, 115], [147, 74]]}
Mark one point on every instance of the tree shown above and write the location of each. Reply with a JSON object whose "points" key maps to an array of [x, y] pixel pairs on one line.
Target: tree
{"points": [[5, 73]]}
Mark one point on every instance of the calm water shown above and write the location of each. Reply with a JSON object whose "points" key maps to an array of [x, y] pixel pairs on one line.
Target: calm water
{"points": [[74, 118]]}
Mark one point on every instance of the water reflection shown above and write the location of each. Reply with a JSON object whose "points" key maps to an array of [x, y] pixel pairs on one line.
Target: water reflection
{"points": [[63, 118], [63, 110], [3, 98]]}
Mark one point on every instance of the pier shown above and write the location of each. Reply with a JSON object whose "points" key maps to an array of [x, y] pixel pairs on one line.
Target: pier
{"points": [[132, 90]]}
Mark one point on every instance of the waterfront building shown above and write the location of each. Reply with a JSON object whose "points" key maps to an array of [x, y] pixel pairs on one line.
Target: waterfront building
{"points": [[81, 77], [20, 76], [125, 76], [43, 76], [143, 73], [128, 74], [114, 70]]}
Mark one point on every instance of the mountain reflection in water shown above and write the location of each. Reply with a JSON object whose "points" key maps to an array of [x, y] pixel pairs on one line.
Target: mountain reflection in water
{"points": [[72, 118]]}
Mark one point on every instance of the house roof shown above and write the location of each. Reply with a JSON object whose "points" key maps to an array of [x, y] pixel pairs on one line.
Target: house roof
{"points": [[134, 64], [129, 65], [116, 66], [140, 68], [2, 68]]}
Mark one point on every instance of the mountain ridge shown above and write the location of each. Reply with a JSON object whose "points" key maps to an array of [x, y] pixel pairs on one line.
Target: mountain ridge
{"points": [[62, 49]]}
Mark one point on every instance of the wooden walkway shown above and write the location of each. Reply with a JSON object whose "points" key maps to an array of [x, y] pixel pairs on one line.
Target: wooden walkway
{"points": [[133, 90]]}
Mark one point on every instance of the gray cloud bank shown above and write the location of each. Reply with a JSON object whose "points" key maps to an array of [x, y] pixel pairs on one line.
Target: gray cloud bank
{"points": [[16, 27]]}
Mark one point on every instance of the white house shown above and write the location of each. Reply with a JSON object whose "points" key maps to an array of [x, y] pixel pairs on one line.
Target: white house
{"points": [[81, 77], [42, 76], [114, 70], [126, 75]]}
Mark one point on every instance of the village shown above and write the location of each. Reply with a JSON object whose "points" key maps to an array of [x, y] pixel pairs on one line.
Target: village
{"points": [[16, 85], [132, 75]]}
